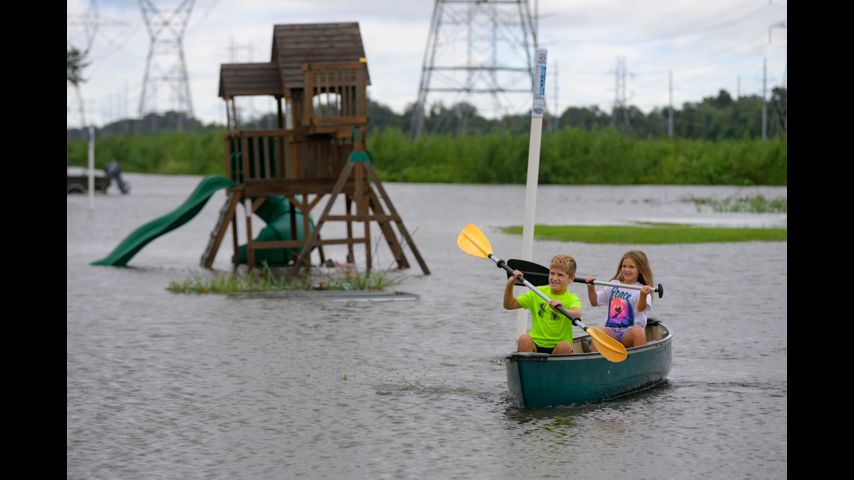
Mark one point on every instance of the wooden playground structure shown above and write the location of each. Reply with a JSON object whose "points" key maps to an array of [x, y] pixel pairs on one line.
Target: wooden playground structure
{"points": [[318, 76]]}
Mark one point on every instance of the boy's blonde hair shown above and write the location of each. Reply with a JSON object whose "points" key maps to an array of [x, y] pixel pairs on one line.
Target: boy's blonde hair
{"points": [[564, 263]]}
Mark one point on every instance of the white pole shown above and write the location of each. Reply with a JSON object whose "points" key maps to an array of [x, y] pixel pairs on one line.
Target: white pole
{"points": [[91, 168], [537, 110]]}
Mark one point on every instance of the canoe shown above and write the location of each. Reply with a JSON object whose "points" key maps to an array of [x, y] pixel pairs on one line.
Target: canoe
{"points": [[539, 380]]}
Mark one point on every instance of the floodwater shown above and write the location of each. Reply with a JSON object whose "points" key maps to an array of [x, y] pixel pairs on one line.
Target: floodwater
{"points": [[160, 385]]}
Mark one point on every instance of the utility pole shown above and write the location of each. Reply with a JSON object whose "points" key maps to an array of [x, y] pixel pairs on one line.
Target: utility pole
{"points": [[670, 110], [556, 122], [764, 100], [126, 110]]}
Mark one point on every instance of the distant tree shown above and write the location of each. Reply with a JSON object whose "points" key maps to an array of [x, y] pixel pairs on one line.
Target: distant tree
{"points": [[381, 116], [590, 118], [74, 65], [723, 100]]}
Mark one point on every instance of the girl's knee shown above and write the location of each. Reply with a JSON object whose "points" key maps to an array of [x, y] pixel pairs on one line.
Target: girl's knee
{"points": [[638, 335]]}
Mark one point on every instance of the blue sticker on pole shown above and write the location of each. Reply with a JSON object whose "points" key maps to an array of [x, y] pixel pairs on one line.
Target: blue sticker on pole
{"points": [[539, 106]]}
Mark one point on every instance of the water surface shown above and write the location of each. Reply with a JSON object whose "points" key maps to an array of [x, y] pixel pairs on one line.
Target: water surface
{"points": [[160, 385]]}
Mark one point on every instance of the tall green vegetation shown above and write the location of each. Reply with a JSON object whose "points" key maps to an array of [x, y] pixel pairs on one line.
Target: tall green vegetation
{"points": [[192, 153], [569, 156], [716, 142], [577, 156]]}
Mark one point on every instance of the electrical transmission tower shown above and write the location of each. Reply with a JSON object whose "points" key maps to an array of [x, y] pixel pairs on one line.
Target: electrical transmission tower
{"points": [[165, 62], [88, 23], [480, 52], [620, 112]]}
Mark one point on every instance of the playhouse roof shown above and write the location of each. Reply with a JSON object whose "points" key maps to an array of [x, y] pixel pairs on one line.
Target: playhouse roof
{"points": [[293, 45], [249, 79], [299, 43]]}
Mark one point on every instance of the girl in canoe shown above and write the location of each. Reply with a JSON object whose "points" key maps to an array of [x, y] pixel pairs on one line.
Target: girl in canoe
{"points": [[627, 308], [551, 331]]}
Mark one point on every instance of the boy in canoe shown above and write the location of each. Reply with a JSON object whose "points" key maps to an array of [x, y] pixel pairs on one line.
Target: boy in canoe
{"points": [[551, 331]]}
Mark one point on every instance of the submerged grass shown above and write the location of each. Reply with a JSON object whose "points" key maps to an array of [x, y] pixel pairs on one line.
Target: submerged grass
{"points": [[655, 234], [755, 204], [268, 279]]}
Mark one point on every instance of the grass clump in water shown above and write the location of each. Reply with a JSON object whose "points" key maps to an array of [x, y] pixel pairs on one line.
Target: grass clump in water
{"points": [[655, 234], [755, 204], [267, 279]]}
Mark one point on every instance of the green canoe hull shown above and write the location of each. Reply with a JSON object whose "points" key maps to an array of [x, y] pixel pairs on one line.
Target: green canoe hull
{"points": [[537, 380]]}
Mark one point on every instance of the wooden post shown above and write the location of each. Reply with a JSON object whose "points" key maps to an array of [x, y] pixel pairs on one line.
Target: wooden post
{"points": [[228, 172], [236, 258], [234, 120], [362, 211], [305, 209], [351, 258], [250, 245], [244, 155], [280, 141], [308, 96]]}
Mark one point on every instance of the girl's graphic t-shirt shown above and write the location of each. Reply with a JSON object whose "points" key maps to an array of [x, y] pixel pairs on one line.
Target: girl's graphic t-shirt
{"points": [[623, 305]]}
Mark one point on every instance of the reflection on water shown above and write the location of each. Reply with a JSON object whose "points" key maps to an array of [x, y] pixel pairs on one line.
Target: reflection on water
{"points": [[189, 386]]}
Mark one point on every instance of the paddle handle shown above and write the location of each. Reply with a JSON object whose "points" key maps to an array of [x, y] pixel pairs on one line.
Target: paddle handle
{"points": [[575, 320], [659, 289]]}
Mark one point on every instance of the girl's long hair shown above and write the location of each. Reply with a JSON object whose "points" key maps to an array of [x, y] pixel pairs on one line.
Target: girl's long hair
{"points": [[644, 270]]}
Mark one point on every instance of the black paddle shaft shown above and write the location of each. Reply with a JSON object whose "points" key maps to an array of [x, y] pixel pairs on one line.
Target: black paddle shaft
{"points": [[539, 275]]}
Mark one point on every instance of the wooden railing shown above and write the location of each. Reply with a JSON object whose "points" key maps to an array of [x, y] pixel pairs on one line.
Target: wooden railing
{"points": [[258, 155], [335, 98]]}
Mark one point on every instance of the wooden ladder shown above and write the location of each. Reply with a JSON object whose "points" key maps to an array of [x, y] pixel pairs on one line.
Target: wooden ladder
{"points": [[364, 177], [226, 213]]}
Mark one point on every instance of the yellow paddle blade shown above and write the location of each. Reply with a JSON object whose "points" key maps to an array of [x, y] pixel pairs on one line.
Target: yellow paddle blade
{"points": [[474, 242], [608, 346]]}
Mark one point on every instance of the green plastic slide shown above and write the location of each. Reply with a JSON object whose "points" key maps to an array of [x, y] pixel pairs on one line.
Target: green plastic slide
{"points": [[276, 211], [140, 237]]}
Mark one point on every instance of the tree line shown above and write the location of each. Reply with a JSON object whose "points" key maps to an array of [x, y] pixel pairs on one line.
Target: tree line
{"points": [[716, 117]]}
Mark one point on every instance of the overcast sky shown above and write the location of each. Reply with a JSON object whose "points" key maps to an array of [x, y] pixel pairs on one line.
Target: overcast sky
{"points": [[708, 46]]}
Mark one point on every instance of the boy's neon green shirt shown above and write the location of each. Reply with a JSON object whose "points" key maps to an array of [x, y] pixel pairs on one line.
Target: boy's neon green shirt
{"points": [[548, 326]]}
